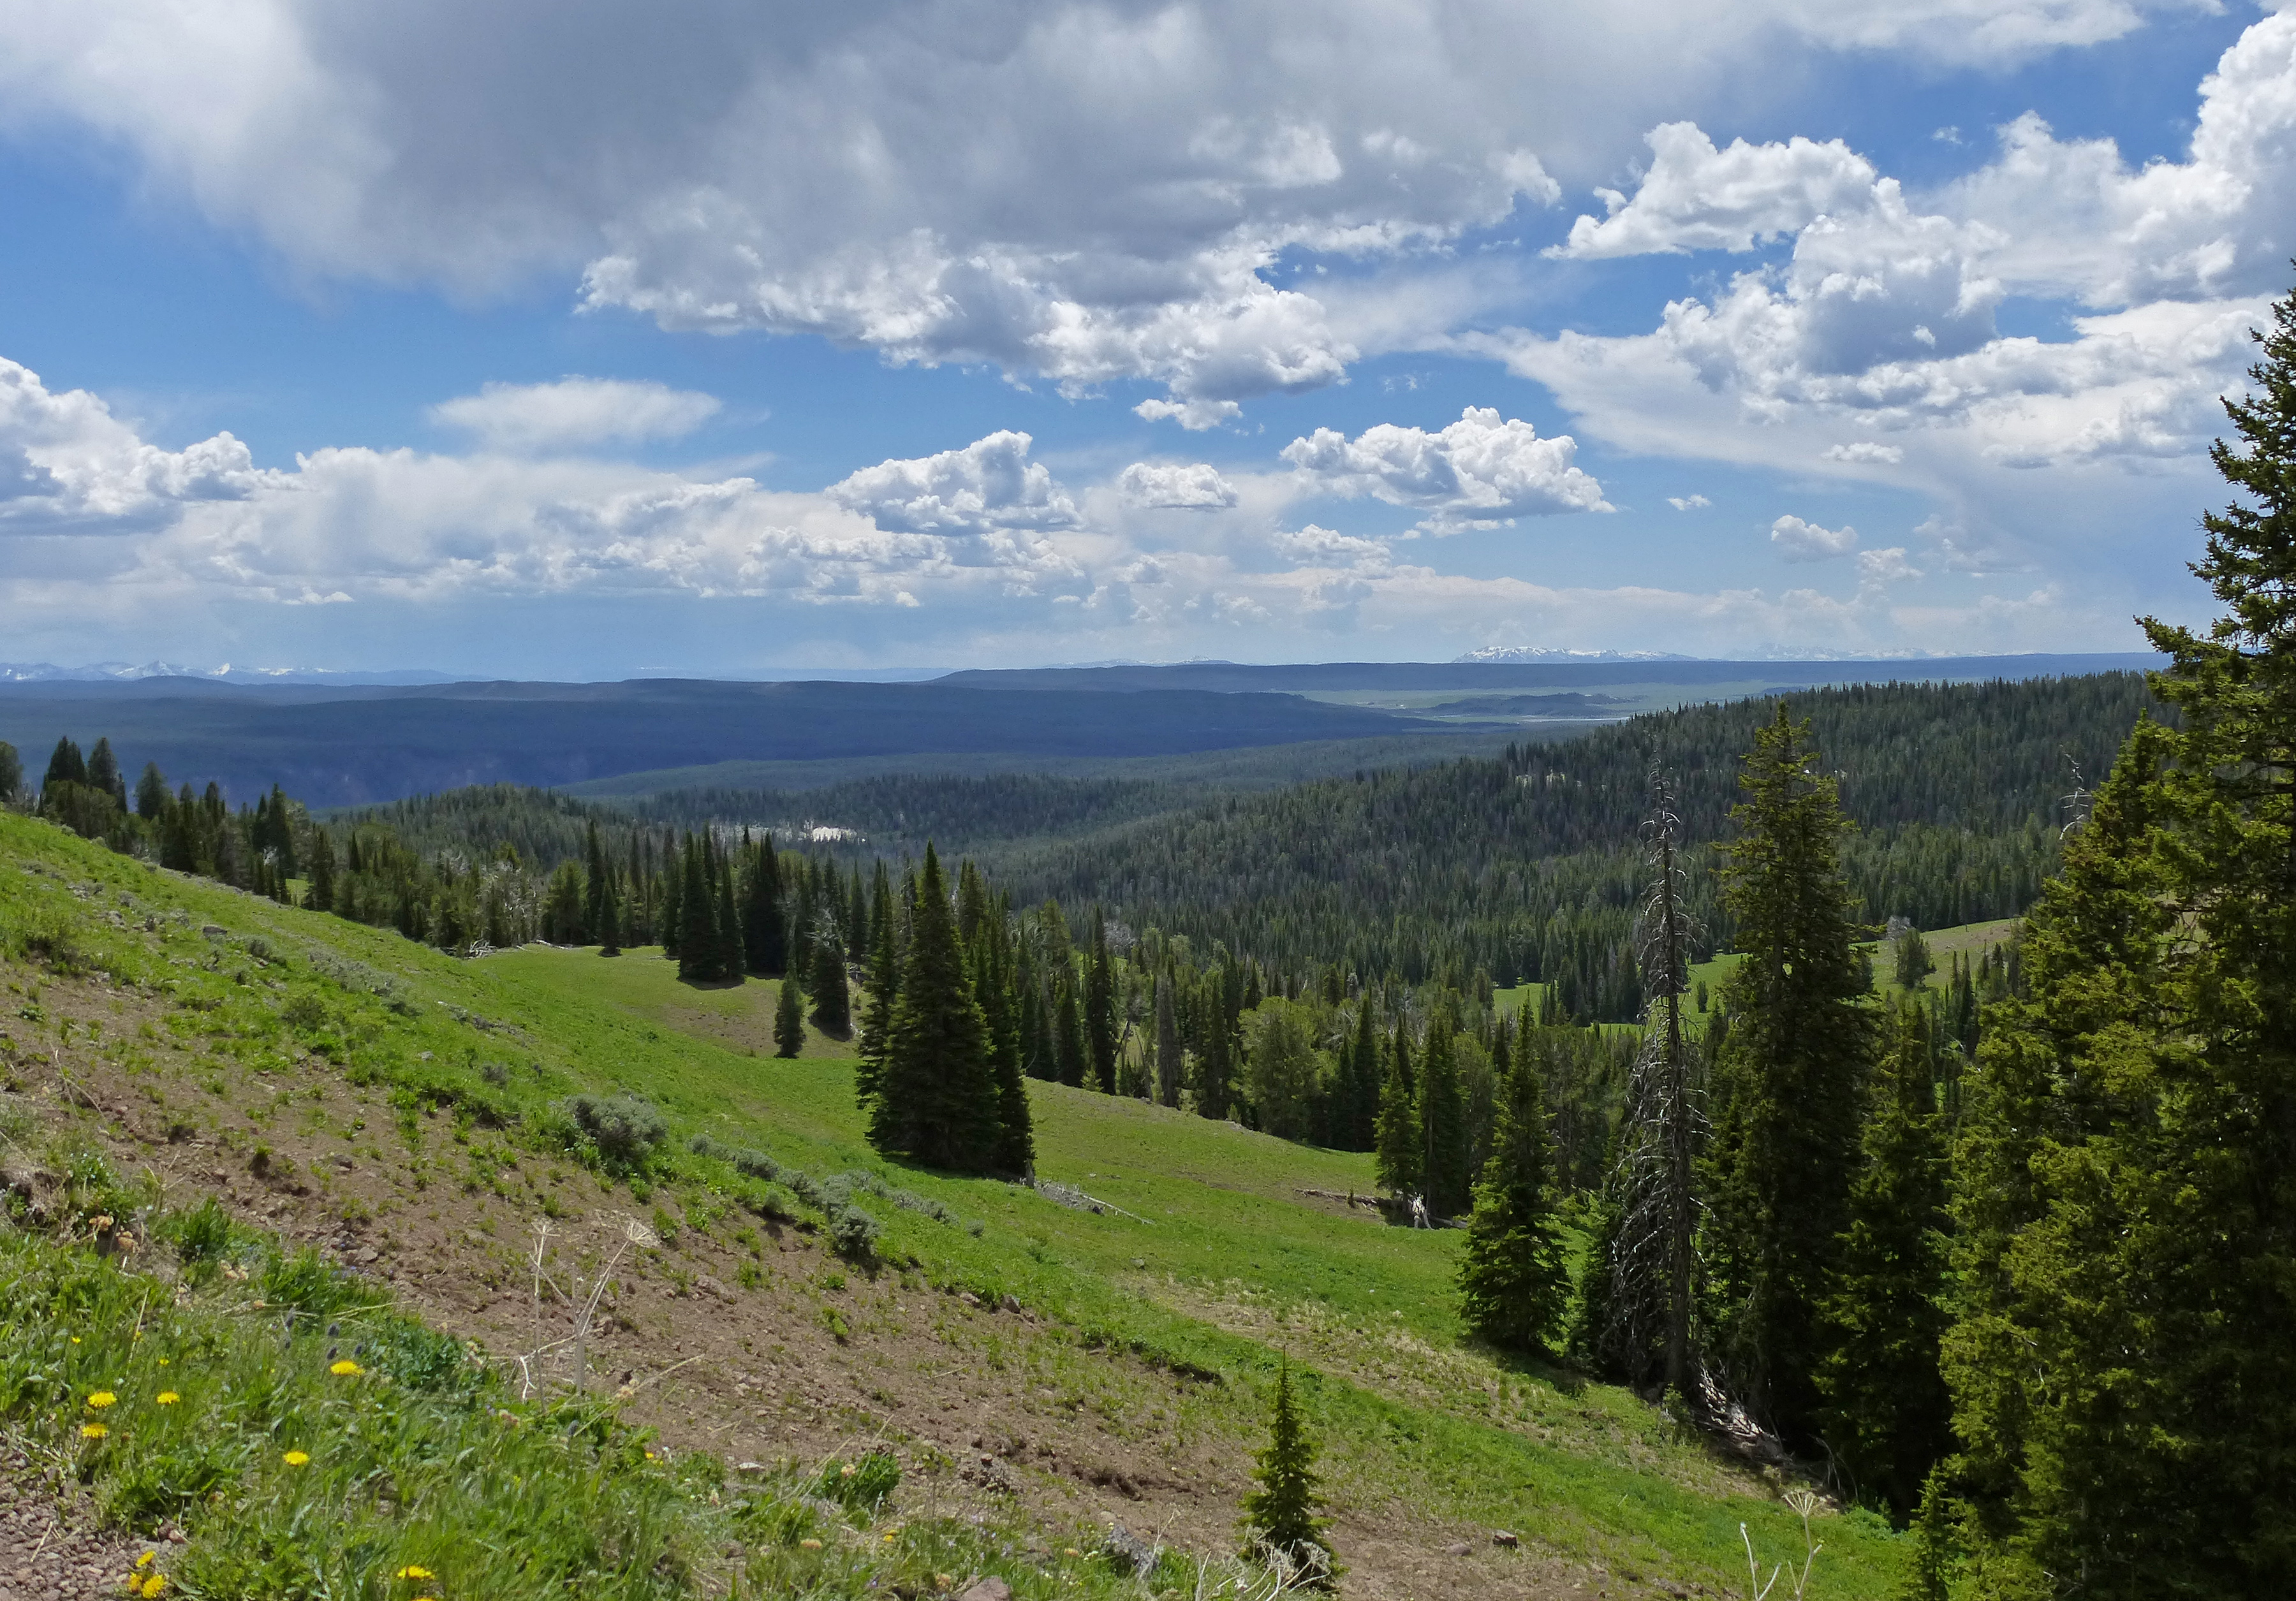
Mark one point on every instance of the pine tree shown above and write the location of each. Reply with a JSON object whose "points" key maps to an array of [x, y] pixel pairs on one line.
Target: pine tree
{"points": [[103, 773], [12, 773], [150, 791], [1444, 1174], [789, 1019], [832, 1003], [763, 940], [877, 1012], [1168, 1042], [1512, 1283], [1363, 1084], [731, 962], [66, 766], [595, 886], [671, 915], [1284, 1516], [1787, 1082], [1099, 1009], [992, 984], [1886, 1414], [2125, 1206], [1068, 1053], [937, 1102], [320, 894], [607, 928], [697, 917], [1400, 1155]]}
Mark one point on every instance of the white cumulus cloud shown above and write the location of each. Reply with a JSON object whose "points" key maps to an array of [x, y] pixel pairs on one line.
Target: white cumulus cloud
{"points": [[575, 414], [1171, 485], [1695, 197], [1688, 502], [1800, 541], [1886, 565], [67, 462], [990, 484], [1866, 452], [1477, 472]]}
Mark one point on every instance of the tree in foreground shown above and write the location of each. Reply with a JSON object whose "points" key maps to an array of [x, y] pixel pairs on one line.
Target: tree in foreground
{"points": [[1886, 1415], [2123, 1375], [1398, 1162], [1512, 1283], [832, 1001], [1282, 1518], [1787, 1083], [789, 1020]]}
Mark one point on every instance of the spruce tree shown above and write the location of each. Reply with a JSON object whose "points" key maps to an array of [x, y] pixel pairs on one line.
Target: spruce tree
{"points": [[1168, 1040], [12, 774], [1284, 1516], [320, 894], [697, 917], [731, 961], [992, 986], [1444, 1174], [1068, 1053], [1512, 1283], [104, 772], [1363, 1080], [789, 1019], [832, 1003], [2122, 1370], [1886, 1412], [877, 1011], [594, 887], [1099, 1009], [937, 1100], [150, 791], [1787, 1083], [607, 929], [763, 940], [1399, 1164], [65, 767]]}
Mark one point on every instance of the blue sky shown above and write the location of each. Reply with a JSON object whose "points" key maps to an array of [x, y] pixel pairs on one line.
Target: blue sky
{"points": [[715, 337]]}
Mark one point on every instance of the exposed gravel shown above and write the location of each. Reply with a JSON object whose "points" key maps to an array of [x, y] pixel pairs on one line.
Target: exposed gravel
{"points": [[49, 1548]]}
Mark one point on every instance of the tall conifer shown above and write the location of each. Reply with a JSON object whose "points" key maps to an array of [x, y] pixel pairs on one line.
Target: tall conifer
{"points": [[936, 1101], [789, 1019], [1283, 1514], [1886, 1413], [1788, 1081], [1399, 1163], [1444, 1174], [1099, 1009], [1512, 1283]]}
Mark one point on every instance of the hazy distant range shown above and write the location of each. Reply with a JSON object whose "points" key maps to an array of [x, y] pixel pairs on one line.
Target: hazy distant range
{"points": [[332, 744]]}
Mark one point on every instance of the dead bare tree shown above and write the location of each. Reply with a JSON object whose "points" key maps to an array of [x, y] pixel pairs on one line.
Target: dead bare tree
{"points": [[1653, 1191]]}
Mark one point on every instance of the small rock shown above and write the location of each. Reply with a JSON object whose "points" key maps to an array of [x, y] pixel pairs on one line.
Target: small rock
{"points": [[1010, 1304], [212, 930], [968, 1298], [987, 1589], [1460, 1549], [1500, 1537]]}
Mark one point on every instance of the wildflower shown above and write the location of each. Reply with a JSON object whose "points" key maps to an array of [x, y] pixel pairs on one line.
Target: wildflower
{"points": [[156, 1585], [411, 1571], [145, 1560], [167, 1398], [92, 1430], [101, 1399], [296, 1458], [346, 1368], [810, 1545]]}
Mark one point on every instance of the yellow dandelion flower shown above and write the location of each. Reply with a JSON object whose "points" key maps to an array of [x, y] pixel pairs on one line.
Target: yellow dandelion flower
{"points": [[101, 1399], [167, 1398], [92, 1430], [145, 1560], [75, 1339], [346, 1368], [426, 1599], [411, 1571], [156, 1585], [163, 1362], [295, 1458]]}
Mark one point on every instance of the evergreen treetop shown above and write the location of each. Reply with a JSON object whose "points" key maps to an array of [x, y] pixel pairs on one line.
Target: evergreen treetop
{"points": [[1284, 1516]]}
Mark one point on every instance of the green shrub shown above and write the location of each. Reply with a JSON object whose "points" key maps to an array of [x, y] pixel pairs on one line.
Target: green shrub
{"points": [[626, 1129], [862, 1485]]}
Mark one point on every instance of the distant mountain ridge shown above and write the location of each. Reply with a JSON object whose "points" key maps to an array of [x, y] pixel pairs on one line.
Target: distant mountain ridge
{"points": [[1513, 653], [129, 672]]}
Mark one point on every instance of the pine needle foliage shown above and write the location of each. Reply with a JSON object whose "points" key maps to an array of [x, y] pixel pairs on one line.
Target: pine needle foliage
{"points": [[1283, 1514], [1786, 1083], [936, 1101], [789, 1020], [2121, 1367], [1512, 1283]]}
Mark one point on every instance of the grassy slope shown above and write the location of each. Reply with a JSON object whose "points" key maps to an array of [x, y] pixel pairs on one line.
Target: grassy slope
{"points": [[1222, 1261]]}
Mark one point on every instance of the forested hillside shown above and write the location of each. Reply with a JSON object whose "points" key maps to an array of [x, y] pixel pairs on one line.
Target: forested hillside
{"points": [[1527, 866]]}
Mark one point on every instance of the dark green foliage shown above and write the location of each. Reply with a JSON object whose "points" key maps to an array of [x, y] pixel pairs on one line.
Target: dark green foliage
{"points": [[1512, 1283], [2122, 1370], [1069, 1055], [789, 1019], [1886, 1411], [884, 985], [66, 765], [1915, 964], [626, 1129], [1445, 1173], [763, 939], [12, 773], [832, 1001], [1284, 1516], [1786, 1084], [1400, 1153], [936, 1101], [1099, 1009], [103, 773]]}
